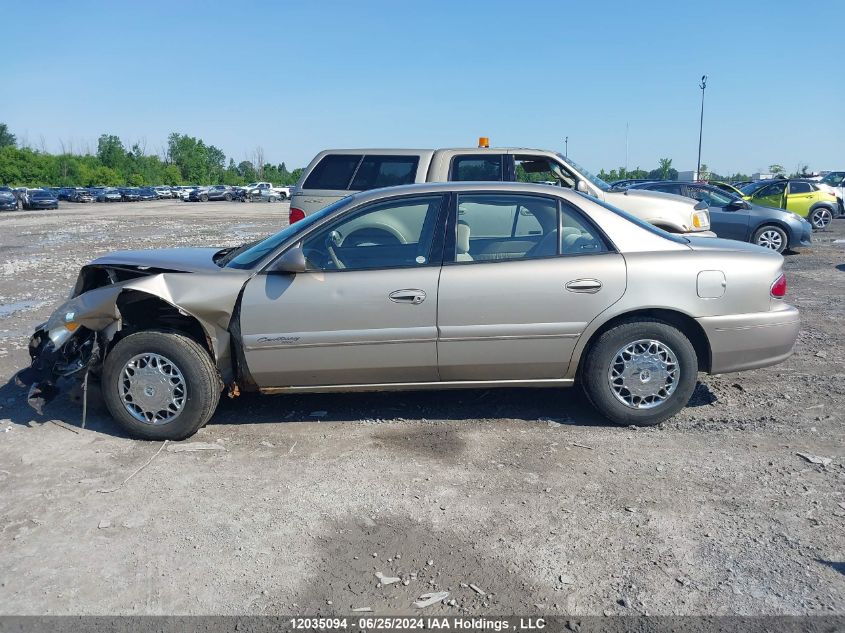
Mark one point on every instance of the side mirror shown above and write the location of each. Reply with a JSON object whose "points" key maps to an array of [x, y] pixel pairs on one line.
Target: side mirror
{"points": [[291, 262], [738, 203], [582, 187]]}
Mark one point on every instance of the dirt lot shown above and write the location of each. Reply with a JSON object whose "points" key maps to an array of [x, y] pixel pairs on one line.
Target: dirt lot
{"points": [[526, 494]]}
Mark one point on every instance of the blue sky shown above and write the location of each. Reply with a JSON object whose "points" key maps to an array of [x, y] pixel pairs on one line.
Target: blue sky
{"points": [[299, 77]]}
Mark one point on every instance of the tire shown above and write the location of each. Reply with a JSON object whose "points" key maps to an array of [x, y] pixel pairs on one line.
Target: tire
{"points": [[203, 198], [820, 218], [169, 357], [772, 237], [272, 198], [283, 196], [228, 197], [604, 358]]}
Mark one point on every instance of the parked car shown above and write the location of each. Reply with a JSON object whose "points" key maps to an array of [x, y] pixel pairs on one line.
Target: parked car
{"points": [[733, 218], [216, 192], [259, 195], [834, 183], [427, 286], [109, 195], [334, 174], [8, 200], [130, 194], [41, 199], [163, 192], [64, 193], [280, 192], [798, 196], [147, 193], [80, 195]]}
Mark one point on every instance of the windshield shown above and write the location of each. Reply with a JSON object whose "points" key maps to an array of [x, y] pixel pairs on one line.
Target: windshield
{"points": [[598, 182], [632, 218], [834, 178], [256, 252]]}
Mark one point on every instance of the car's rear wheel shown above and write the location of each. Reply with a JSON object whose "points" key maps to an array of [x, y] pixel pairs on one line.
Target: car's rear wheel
{"points": [[160, 385], [820, 217], [283, 196], [640, 372], [772, 237], [228, 197]]}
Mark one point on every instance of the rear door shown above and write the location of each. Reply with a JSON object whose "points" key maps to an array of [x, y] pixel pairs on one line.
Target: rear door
{"points": [[800, 197], [513, 306]]}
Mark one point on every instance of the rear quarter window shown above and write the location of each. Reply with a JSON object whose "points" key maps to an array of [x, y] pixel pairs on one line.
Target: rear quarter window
{"points": [[334, 171], [385, 171]]}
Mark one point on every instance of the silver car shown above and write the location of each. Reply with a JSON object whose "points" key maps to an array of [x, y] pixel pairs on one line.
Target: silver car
{"points": [[428, 286]]}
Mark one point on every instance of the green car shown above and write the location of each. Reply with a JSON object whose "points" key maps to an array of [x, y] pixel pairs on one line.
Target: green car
{"points": [[799, 196]]}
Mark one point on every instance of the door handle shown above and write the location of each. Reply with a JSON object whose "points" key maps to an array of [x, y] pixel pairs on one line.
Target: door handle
{"points": [[590, 286], [413, 296]]}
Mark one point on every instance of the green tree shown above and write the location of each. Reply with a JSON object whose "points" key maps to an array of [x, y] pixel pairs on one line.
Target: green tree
{"points": [[664, 165], [776, 169], [110, 151], [7, 139]]}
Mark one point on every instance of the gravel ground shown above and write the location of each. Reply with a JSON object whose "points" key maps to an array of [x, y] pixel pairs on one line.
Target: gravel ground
{"points": [[525, 494]]}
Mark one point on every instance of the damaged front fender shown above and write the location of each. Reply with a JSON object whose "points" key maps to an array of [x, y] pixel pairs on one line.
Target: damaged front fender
{"points": [[72, 338]]}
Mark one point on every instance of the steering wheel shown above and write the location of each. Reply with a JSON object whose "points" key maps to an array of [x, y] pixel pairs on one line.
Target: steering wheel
{"points": [[334, 239]]}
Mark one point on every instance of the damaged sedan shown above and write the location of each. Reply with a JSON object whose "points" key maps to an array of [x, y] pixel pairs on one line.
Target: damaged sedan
{"points": [[431, 286]]}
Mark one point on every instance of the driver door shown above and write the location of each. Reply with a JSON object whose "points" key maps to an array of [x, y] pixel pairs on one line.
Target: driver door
{"points": [[773, 195], [366, 309]]}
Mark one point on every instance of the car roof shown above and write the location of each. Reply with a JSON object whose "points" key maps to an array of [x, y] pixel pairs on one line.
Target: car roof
{"points": [[481, 186]]}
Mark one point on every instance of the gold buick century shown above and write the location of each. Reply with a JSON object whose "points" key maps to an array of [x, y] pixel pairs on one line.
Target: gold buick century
{"points": [[429, 286]]}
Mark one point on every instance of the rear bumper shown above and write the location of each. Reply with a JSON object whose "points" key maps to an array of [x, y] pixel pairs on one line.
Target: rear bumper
{"points": [[748, 341]]}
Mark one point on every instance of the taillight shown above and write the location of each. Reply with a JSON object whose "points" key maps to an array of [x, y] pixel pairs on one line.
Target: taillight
{"points": [[295, 215], [778, 290]]}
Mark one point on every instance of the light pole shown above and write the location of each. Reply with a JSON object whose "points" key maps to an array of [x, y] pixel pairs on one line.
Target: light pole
{"points": [[566, 149], [702, 85]]}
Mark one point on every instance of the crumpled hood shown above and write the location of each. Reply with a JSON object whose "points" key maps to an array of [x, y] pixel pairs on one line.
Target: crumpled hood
{"points": [[187, 260]]}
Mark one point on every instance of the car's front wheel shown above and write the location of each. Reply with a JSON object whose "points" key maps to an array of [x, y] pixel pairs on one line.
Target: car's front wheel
{"points": [[160, 385], [820, 217], [772, 237], [640, 372], [203, 198]]}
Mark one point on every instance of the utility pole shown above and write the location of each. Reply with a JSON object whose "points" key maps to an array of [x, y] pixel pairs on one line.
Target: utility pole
{"points": [[566, 150], [702, 85], [626, 147]]}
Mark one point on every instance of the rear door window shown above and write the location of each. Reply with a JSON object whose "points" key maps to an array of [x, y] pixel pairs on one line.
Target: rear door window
{"points": [[800, 187], [334, 171], [482, 167], [385, 171]]}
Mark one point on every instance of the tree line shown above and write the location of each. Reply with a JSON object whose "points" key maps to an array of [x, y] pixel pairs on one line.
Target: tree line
{"points": [[185, 160]]}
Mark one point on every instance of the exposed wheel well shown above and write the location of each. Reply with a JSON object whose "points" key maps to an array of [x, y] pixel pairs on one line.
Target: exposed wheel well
{"points": [[140, 311], [681, 321]]}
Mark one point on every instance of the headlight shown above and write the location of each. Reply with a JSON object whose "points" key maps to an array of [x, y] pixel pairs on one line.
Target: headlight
{"points": [[701, 220]]}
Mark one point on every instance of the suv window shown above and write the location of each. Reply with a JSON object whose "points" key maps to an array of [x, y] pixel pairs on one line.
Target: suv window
{"points": [[485, 167], [800, 187], [334, 171], [493, 227], [385, 171], [390, 234]]}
